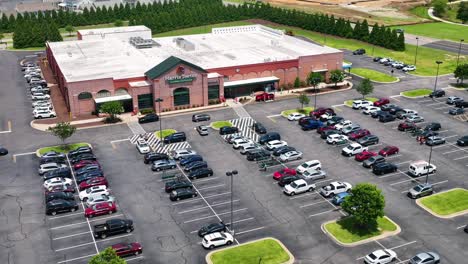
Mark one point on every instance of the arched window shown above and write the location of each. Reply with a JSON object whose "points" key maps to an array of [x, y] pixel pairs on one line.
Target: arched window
{"points": [[181, 96], [121, 91], [103, 93], [84, 96]]}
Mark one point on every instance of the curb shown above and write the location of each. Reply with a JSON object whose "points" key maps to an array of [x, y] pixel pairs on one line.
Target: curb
{"points": [[291, 257], [362, 77], [419, 203], [37, 150], [364, 241]]}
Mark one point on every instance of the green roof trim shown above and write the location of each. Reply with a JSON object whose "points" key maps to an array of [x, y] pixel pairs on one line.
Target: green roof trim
{"points": [[167, 65]]}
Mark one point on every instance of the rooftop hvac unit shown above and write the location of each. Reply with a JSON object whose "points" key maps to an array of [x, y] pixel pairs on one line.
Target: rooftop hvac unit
{"points": [[184, 44], [140, 43]]}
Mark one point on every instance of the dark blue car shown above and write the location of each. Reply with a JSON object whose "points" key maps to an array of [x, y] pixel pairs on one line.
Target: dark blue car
{"points": [[339, 198], [189, 159], [312, 124]]}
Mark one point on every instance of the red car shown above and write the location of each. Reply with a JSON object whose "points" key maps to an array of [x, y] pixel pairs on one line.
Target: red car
{"points": [[381, 101], [364, 155], [359, 134], [284, 172], [84, 163], [100, 209], [127, 249], [403, 126], [388, 150], [61, 188], [265, 97], [324, 128], [320, 111], [92, 182]]}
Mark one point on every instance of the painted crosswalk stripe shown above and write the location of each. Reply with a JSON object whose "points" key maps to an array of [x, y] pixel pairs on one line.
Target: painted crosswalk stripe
{"points": [[245, 128], [157, 145]]}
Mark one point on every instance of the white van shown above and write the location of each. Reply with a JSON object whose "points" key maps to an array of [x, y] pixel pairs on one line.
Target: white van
{"points": [[421, 167]]}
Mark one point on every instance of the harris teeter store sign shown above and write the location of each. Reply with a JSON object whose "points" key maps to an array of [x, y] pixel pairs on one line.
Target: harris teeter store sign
{"points": [[180, 78]]}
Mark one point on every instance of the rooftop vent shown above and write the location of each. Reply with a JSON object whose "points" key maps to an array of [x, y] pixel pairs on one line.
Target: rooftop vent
{"points": [[140, 43], [184, 44]]}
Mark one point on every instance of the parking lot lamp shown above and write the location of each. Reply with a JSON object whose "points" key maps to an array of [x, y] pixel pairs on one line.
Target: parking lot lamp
{"points": [[159, 101], [231, 174], [437, 75], [430, 156], [416, 53], [459, 50]]}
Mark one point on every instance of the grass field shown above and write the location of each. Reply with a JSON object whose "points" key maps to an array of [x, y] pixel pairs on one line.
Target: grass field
{"points": [[62, 149], [220, 124], [417, 92], [438, 30], [107, 25], [266, 251], [350, 102], [165, 133], [420, 11], [447, 203], [373, 75], [305, 111], [346, 231]]}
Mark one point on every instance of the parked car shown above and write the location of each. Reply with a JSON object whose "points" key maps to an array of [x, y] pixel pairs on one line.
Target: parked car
{"points": [[79, 151], [407, 125], [453, 99], [175, 137], [420, 168], [95, 199], [40, 96], [259, 128], [281, 150], [312, 124], [320, 111], [285, 180], [420, 190], [295, 116], [389, 150], [202, 130], [167, 164], [461, 104], [415, 118], [457, 111], [113, 227], [200, 117], [52, 154], [311, 164], [371, 161], [212, 228], [395, 110], [368, 140], [358, 134], [405, 113], [52, 160], [381, 102], [437, 93], [358, 104], [189, 159], [297, 187], [89, 175], [258, 155], [435, 140], [246, 148], [195, 166], [409, 68], [61, 172], [180, 194], [339, 198], [364, 155], [60, 205], [425, 258], [381, 256], [337, 139], [352, 149], [226, 130], [269, 137], [217, 239], [264, 97], [81, 157], [92, 182], [291, 155], [334, 120], [231, 138], [100, 209], [325, 134], [60, 188], [59, 196], [241, 142], [277, 175], [274, 144], [93, 192], [313, 175], [181, 153], [142, 146], [350, 129], [43, 168], [463, 141], [177, 184], [368, 110], [335, 188], [383, 168], [327, 116], [200, 173], [305, 120], [153, 156], [44, 114], [359, 52], [342, 124], [148, 118], [387, 107], [324, 128], [432, 126], [3, 151]]}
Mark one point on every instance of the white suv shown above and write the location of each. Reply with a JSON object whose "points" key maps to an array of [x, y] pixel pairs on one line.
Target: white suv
{"points": [[358, 104], [274, 144], [217, 239], [44, 114], [50, 167], [311, 164], [335, 188], [180, 153], [40, 96], [142, 146], [94, 191], [241, 142]]}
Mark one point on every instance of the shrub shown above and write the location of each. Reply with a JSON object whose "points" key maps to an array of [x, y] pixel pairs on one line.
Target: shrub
{"points": [[111, 120], [290, 86], [303, 84], [146, 111]]}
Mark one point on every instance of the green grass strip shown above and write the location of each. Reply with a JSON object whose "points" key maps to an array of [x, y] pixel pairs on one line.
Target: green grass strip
{"points": [[417, 92], [62, 148], [220, 124], [448, 202], [305, 111], [165, 133], [346, 231], [375, 76]]}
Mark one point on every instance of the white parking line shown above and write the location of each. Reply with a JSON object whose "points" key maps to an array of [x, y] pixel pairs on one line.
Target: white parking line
{"points": [[443, 107], [21, 154], [395, 183], [210, 187], [197, 199], [307, 205], [443, 131], [217, 215], [82, 223], [327, 180], [248, 231], [80, 245], [274, 115], [460, 227], [448, 152], [451, 136], [441, 146], [67, 215], [112, 238], [135, 258], [321, 213], [120, 140], [204, 207], [464, 157], [403, 261], [402, 163], [302, 196], [393, 156], [409, 243], [238, 221], [79, 234], [434, 104], [389, 175], [208, 179], [73, 259]]}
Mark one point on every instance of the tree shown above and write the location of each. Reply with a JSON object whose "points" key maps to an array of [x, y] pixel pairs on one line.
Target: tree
{"points": [[439, 7], [112, 109], [118, 22], [462, 12], [337, 76], [365, 204], [303, 100], [62, 130], [314, 79], [69, 29], [365, 87], [461, 72], [108, 256], [297, 82]]}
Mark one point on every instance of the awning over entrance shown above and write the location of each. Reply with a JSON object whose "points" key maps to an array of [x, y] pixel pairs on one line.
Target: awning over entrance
{"points": [[347, 66], [112, 98], [251, 81], [320, 70]]}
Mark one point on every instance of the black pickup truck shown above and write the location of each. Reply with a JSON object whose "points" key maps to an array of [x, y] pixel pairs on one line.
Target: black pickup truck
{"points": [[113, 227]]}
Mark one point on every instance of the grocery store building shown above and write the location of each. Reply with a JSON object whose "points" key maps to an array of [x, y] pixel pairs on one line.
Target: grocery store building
{"points": [[125, 64]]}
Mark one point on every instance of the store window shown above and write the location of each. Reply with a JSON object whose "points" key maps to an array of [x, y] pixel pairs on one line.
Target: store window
{"points": [[181, 96], [121, 91], [85, 96], [103, 93], [213, 92]]}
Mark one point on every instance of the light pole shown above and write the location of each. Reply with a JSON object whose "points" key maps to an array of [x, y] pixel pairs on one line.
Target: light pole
{"points": [[459, 50], [437, 75], [231, 174], [416, 53], [159, 101], [430, 156]]}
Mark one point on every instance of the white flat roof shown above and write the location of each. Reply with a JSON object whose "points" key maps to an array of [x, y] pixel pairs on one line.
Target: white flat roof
{"points": [[99, 31], [112, 98], [253, 80], [226, 47]]}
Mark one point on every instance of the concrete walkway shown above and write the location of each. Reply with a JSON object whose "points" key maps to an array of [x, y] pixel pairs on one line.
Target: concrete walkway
{"points": [[430, 12]]}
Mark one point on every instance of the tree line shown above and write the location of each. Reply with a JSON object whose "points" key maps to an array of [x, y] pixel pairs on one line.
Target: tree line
{"points": [[166, 16]]}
